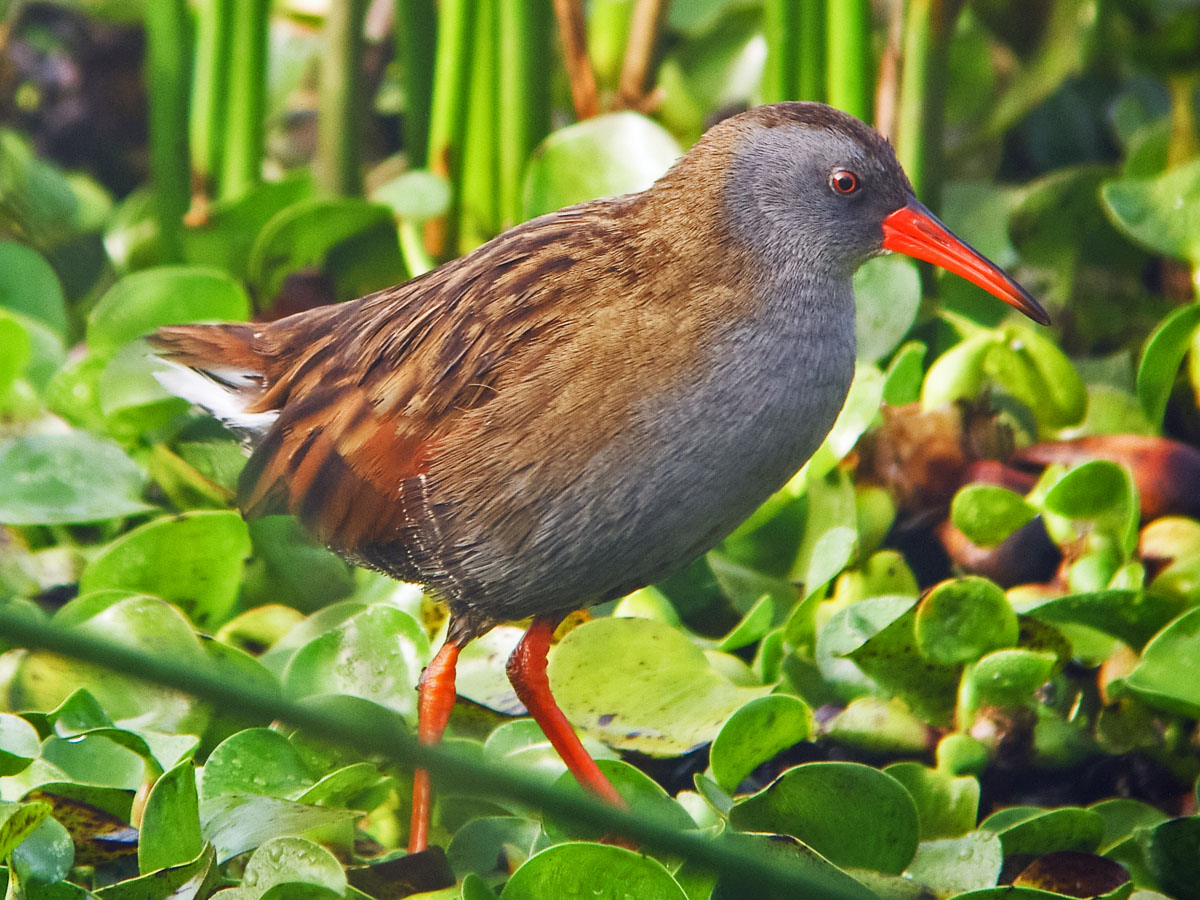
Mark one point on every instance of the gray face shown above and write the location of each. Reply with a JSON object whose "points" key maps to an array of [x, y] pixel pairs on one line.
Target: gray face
{"points": [[814, 197]]}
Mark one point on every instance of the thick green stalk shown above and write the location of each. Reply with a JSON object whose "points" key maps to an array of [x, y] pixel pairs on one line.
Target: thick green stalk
{"points": [[524, 96], [210, 91], [479, 212], [416, 48], [448, 115], [245, 135], [168, 52], [810, 51], [850, 70], [781, 27], [338, 164], [731, 859]]}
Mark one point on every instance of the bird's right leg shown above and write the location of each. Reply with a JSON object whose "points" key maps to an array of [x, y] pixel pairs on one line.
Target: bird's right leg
{"points": [[435, 701]]}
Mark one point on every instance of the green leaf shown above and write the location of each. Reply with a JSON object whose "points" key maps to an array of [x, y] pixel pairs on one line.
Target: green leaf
{"points": [[987, 513], [643, 795], [351, 240], [165, 295], [1010, 677], [479, 845], [961, 620], [831, 531], [1171, 858], [19, 745], [255, 761], [1033, 369], [887, 293], [17, 822], [236, 823], [800, 861], [60, 479], [1132, 616], [415, 196], [46, 855], [851, 814], [1161, 213], [29, 285], [958, 373], [376, 654], [95, 759], [674, 701], [196, 878], [170, 832], [1036, 831], [947, 805], [904, 374], [287, 562], [1168, 675], [291, 861], [751, 628], [193, 559], [602, 156], [1100, 492], [593, 870], [1161, 358], [952, 866], [756, 733]]}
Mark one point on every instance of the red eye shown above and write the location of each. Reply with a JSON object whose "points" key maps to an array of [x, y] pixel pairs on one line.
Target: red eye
{"points": [[843, 181]]}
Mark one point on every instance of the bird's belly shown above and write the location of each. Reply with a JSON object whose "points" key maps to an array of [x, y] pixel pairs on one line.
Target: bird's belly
{"points": [[686, 468]]}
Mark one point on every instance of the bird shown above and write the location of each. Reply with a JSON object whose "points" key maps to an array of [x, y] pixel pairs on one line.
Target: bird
{"points": [[587, 402]]}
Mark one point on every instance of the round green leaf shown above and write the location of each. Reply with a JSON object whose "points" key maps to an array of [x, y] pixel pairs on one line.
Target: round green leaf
{"points": [[644, 796], [255, 761], [376, 654], [165, 295], [904, 374], [235, 823], [952, 866], [415, 196], [16, 350], [599, 157], [642, 685], [887, 292], [961, 620], [756, 733], [1032, 830], [478, 846], [947, 805], [852, 814], [18, 821], [1168, 675], [1100, 492], [591, 870], [170, 831], [1161, 358], [46, 856], [291, 860], [95, 759], [1033, 368], [987, 513], [193, 559], [19, 744], [1133, 616], [1010, 677], [60, 479], [30, 286], [958, 373], [1170, 853], [1162, 213]]}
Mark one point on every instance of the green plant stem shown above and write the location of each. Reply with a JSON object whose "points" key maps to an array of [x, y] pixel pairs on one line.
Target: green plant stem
{"points": [[781, 28], [850, 72], [241, 163], [448, 113], [479, 208], [920, 125], [168, 52], [338, 161], [1184, 142], [210, 82], [524, 96], [416, 49], [740, 864], [810, 52]]}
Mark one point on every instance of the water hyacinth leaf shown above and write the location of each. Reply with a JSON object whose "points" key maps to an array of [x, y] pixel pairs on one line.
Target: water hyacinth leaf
{"points": [[1100, 492], [887, 292], [354, 242], [988, 513], [18, 821], [29, 285], [592, 870], [376, 654], [644, 796], [674, 702], [954, 865], [522, 743], [961, 620], [947, 805], [802, 862], [237, 823], [852, 814], [1035, 370], [287, 562], [16, 350], [62, 479], [902, 384], [958, 373], [1170, 853], [1161, 358], [602, 156], [1161, 213], [753, 626], [1071, 872], [291, 861], [1122, 817], [170, 832], [482, 843], [875, 725], [1010, 677], [95, 759], [755, 734], [858, 412], [1168, 674], [193, 559], [46, 855], [847, 630], [481, 671], [1133, 616], [415, 196], [255, 761], [166, 295], [19, 744], [1033, 830], [831, 531]]}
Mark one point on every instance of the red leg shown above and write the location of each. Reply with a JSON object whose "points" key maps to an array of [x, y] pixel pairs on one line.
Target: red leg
{"points": [[435, 700], [527, 672]]}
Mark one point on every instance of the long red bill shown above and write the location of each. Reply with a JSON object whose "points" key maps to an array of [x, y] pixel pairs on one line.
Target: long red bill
{"points": [[915, 231]]}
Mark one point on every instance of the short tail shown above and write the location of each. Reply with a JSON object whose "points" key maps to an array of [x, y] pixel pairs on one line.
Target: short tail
{"points": [[218, 368]]}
